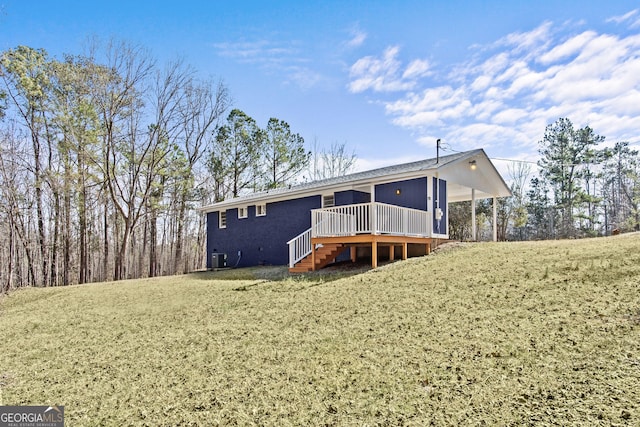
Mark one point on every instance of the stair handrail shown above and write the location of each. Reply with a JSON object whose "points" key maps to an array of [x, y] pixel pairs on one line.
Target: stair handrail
{"points": [[299, 247]]}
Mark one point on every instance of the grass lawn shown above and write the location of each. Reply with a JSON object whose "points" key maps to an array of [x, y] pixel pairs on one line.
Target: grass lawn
{"points": [[539, 333]]}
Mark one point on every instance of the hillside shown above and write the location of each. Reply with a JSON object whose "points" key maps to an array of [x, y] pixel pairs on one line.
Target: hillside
{"points": [[486, 334]]}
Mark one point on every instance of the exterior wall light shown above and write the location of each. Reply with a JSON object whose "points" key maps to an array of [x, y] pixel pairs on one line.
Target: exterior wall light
{"points": [[473, 165], [398, 192]]}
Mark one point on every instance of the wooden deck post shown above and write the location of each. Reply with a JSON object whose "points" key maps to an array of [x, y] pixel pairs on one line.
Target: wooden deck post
{"points": [[354, 253], [404, 250], [392, 252], [313, 256], [374, 254]]}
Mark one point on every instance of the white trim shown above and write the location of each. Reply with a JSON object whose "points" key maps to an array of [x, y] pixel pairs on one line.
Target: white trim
{"points": [[222, 223], [333, 200], [243, 212], [261, 209]]}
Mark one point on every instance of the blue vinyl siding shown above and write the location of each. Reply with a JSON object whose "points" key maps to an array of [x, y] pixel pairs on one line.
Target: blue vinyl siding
{"points": [[413, 193], [441, 227], [351, 197], [261, 240]]}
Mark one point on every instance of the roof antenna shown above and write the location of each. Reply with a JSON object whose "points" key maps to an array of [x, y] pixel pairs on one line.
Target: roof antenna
{"points": [[438, 151]]}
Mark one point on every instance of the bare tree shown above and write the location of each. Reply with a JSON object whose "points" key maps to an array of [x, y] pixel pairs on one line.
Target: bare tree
{"points": [[128, 154], [519, 173], [329, 163], [199, 113]]}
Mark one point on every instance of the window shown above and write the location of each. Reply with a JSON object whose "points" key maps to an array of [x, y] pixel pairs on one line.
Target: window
{"points": [[328, 201], [261, 210], [243, 212], [222, 221]]}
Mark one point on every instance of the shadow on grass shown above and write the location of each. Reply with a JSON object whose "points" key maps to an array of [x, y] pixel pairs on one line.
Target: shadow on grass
{"points": [[279, 275]]}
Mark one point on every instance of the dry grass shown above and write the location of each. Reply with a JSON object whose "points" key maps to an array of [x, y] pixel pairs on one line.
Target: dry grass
{"points": [[544, 333]]}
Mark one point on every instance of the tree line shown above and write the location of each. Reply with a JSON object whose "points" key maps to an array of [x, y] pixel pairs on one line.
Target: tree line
{"points": [[580, 190], [105, 156]]}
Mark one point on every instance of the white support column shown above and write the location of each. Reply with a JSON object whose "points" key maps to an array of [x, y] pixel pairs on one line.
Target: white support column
{"points": [[473, 215], [430, 203], [495, 219], [373, 217]]}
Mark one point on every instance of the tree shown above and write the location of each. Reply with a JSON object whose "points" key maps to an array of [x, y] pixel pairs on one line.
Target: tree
{"points": [[565, 154], [541, 213], [202, 106], [129, 156], [335, 161], [236, 156], [459, 215], [621, 186], [77, 120], [504, 215], [18, 264], [519, 173], [103, 158], [3, 103], [26, 77], [285, 155]]}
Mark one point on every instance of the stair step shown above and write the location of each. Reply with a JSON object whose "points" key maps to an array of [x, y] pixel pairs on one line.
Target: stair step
{"points": [[323, 256]]}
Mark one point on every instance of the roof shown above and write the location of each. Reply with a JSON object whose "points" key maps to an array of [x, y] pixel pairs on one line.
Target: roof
{"points": [[351, 181]]}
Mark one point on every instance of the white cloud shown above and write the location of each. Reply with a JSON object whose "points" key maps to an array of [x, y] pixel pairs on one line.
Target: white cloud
{"points": [[386, 74], [282, 58], [369, 164], [529, 42], [510, 116], [508, 92], [622, 18], [378, 74], [259, 51], [304, 77], [358, 37], [417, 68], [569, 48]]}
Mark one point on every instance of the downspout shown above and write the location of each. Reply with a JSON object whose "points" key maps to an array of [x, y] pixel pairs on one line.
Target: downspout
{"points": [[437, 210]]}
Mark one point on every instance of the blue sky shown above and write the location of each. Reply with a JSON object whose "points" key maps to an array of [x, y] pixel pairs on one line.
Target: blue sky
{"points": [[386, 78]]}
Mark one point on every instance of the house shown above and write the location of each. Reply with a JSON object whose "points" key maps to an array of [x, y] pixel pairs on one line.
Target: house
{"points": [[390, 212]]}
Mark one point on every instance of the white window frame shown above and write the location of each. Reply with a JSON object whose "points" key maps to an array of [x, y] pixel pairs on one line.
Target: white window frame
{"points": [[261, 209], [243, 212], [222, 219], [324, 199]]}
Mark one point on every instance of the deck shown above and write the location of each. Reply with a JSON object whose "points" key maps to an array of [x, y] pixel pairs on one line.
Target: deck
{"points": [[372, 225]]}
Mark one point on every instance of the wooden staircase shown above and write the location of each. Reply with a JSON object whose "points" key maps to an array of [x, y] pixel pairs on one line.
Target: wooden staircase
{"points": [[324, 255]]}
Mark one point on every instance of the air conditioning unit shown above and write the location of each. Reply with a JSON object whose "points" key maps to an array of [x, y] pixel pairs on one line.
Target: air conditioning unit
{"points": [[218, 260]]}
